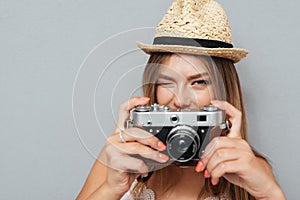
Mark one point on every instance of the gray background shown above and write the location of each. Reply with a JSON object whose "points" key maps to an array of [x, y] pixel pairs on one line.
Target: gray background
{"points": [[48, 139]]}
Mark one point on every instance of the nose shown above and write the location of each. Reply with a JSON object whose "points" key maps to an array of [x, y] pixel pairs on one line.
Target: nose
{"points": [[183, 98]]}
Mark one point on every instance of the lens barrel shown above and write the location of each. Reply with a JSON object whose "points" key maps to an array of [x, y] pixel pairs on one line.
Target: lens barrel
{"points": [[182, 143]]}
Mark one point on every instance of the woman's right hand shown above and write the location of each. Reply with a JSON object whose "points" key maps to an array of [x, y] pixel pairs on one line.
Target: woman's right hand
{"points": [[120, 158]]}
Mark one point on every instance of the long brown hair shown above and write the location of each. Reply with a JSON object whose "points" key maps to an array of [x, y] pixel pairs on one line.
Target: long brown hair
{"points": [[227, 73]]}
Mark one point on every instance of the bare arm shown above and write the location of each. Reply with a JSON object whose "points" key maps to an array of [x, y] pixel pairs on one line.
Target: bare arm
{"points": [[94, 180], [111, 176]]}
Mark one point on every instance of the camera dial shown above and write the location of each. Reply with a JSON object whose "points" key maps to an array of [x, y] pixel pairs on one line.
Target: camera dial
{"points": [[210, 108], [145, 108]]}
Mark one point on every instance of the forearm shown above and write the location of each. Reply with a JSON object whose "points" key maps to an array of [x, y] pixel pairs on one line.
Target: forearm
{"points": [[94, 180]]}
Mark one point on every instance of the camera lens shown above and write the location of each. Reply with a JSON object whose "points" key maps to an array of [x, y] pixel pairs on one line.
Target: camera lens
{"points": [[182, 143], [182, 146]]}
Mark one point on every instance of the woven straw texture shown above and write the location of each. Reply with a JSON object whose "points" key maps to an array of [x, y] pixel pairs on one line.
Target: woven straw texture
{"points": [[200, 19]]}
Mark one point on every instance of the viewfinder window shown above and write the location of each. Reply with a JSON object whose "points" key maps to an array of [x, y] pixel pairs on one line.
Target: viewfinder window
{"points": [[201, 118]]}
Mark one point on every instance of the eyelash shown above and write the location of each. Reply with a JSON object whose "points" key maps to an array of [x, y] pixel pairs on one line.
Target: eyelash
{"points": [[200, 82], [194, 83]]}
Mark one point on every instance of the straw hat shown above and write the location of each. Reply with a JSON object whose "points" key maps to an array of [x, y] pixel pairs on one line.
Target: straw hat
{"points": [[195, 27]]}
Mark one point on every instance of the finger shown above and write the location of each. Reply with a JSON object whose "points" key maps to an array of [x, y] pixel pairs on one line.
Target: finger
{"points": [[134, 148], [235, 117], [228, 167], [143, 137], [126, 107], [211, 148], [222, 155], [126, 163], [218, 143]]}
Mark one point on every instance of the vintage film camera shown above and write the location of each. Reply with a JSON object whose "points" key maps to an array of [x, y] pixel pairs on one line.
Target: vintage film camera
{"points": [[185, 132]]}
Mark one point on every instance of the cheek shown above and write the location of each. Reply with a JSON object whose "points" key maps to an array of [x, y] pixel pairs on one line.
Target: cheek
{"points": [[204, 97], [164, 96]]}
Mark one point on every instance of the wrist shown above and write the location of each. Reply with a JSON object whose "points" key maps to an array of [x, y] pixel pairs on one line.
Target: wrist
{"points": [[272, 189], [275, 193]]}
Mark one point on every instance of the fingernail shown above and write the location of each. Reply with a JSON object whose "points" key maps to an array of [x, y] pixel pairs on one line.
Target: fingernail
{"points": [[161, 146], [214, 181], [144, 175], [164, 157], [199, 167], [206, 174]]}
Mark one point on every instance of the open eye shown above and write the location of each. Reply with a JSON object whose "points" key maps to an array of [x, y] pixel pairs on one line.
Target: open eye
{"points": [[200, 84]]}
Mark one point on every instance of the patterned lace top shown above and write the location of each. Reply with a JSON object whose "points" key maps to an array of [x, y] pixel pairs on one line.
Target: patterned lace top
{"points": [[148, 194]]}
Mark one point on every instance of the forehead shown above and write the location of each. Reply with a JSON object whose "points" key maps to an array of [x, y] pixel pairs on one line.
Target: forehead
{"points": [[185, 65]]}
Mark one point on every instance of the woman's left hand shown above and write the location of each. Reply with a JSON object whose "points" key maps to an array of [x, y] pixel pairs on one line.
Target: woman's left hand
{"points": [[231, 157]]}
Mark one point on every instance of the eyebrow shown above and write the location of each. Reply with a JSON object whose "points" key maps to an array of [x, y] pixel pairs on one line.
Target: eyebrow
{"points": [[195, 76]]}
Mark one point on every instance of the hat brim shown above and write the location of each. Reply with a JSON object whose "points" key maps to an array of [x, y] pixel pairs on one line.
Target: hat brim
{"points": [[234, 54]]}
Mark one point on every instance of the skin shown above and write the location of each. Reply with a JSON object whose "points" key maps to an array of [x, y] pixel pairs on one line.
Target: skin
{"points": [[179, 86]]}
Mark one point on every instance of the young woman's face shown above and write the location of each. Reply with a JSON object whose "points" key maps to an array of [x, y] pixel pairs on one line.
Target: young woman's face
{"points": [[184, 82]]}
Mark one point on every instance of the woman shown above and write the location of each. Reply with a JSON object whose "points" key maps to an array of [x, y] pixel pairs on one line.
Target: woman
{"points": [[188, 68]]}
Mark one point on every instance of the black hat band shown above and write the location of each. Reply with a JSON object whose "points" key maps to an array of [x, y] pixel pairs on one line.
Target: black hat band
{"points": [[191, 42]]}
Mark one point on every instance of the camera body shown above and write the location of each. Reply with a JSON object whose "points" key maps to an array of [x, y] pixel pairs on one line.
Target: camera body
{"points": [[185, 132]]}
